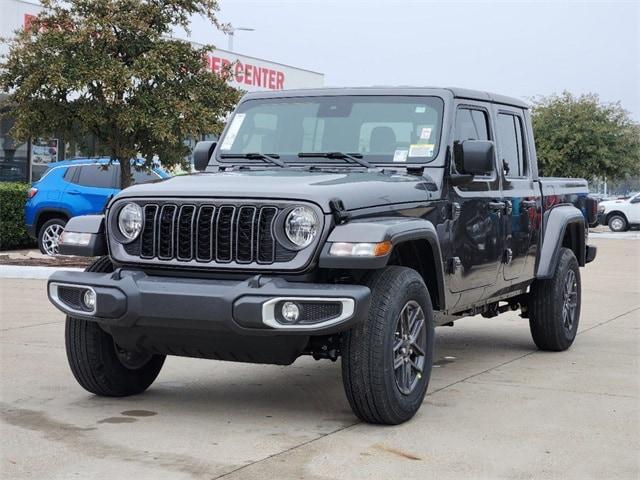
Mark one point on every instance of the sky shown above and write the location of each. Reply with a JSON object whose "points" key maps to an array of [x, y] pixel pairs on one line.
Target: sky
{"points": [[518, 48]]}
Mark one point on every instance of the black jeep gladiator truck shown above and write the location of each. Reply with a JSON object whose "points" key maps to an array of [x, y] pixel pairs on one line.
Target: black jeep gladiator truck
{"points": [[332, 223]]}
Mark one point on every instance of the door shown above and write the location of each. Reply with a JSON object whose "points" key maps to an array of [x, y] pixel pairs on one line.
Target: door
{"points": [[91, 186], [475, 229], [634, 209], [521, 220]]}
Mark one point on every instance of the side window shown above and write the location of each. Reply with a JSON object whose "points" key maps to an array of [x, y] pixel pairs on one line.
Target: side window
{"points": [[69, 174], [143, 177], [96, 176], [511, 145], [471, 124]]}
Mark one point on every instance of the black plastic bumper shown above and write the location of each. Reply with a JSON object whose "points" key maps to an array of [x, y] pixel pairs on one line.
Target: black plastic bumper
{"points": [[129, 298]]}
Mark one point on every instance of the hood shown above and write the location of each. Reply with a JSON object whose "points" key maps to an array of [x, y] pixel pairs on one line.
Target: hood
{"points": [[606, 203], [355, 188]]}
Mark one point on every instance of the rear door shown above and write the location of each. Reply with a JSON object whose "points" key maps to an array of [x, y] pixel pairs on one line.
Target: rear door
{"points": [[92, 185], [476, 234], [521, 221]]}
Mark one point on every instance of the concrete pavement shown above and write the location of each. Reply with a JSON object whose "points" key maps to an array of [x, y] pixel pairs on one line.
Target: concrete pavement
{"points": [[496, 408]]}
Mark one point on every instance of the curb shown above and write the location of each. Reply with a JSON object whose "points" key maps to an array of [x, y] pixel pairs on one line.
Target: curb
{"points": [[32, 273]]}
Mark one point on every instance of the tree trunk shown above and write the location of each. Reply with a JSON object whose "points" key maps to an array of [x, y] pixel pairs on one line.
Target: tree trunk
{"points": [[125, 173]]}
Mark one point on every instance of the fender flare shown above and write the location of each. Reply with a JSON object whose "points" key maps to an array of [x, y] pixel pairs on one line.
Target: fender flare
{"points": [[555, 223], [47, 210], [395, 230], [92, 225]]}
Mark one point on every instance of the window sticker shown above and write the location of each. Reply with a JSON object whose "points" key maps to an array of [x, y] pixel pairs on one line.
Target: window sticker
{"points": [[232, 133], [421, 150], [425, 133], [400, 155], [421, 109]]}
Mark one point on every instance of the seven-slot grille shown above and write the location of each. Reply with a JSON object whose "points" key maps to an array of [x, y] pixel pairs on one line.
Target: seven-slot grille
{"points": [[209, 233]]}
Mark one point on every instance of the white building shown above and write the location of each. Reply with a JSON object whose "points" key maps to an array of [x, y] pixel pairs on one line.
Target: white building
{"points": [[27, 161]]}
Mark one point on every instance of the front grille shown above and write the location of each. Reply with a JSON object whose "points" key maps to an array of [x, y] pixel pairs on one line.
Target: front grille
{"points": [[223, 234]]}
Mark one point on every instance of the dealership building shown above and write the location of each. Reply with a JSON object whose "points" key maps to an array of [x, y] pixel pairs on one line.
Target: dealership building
{"points": [[26, 161]]}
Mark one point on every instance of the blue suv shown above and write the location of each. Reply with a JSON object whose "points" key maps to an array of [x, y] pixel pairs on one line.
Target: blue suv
{"points": [[70, 188]]}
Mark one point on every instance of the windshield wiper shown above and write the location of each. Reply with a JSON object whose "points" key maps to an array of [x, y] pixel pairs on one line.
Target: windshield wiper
{"points": [[267, 157], [354, 157]]}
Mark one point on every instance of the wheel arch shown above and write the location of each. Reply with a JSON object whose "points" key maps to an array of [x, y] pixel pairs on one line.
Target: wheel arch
{"points": [[615, 212], [47, 214], [564, 226], [415, 245]]}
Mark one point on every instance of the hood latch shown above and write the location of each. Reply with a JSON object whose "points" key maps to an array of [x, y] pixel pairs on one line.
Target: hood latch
{"points": [[340, 214]]}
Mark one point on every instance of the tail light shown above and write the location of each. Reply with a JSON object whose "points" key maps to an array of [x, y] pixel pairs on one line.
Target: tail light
{"points": [[32, 192], [592, 211]]}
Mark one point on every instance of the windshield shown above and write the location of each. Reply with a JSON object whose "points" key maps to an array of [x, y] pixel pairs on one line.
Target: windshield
{"points": [[380, 129]]}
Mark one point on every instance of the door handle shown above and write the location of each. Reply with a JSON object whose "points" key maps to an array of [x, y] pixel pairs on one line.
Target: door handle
{"points": [[73, 192], [497, 206], [526, 204]]}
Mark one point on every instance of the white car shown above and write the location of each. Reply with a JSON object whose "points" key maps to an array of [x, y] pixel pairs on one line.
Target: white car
{"points": [[620, 214]]}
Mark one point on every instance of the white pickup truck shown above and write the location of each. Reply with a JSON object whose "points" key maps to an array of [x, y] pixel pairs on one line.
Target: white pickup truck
{"points": [[620, 214]]}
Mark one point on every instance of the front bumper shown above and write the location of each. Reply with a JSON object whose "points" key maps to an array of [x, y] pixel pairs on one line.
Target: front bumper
{"points": [[131, 298]]}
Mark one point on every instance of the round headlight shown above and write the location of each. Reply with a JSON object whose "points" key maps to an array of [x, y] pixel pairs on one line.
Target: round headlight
{"points": [[301, 226], [130, 221]]}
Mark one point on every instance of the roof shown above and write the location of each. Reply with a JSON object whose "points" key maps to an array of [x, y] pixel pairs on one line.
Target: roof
{"points": [[384, 90], [76, 161]]}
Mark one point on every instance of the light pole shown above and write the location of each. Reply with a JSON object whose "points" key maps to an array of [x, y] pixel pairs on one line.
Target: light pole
{"points": [[232, 31]]}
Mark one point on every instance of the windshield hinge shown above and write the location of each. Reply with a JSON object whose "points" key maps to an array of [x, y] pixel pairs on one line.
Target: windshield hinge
{"points": [[340, 214]]}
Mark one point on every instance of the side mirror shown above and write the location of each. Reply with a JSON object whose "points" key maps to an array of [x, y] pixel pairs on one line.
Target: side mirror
{"points": [[202, 153], [475, 157]]}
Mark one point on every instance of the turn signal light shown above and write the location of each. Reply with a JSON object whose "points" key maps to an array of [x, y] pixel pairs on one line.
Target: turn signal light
{"points": [[344, 249], [32, 192]]}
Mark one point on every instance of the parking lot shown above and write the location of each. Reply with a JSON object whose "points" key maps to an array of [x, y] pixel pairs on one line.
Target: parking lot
{"points": [[496, 407]]}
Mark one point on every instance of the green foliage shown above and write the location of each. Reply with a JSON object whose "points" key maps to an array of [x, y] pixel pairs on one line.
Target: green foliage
{"points": [[581, 137], [13, 234], [107, 68]]}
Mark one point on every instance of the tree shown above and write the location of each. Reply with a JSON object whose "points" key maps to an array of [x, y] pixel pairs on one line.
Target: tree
{"points": [[582, 137], [107, 68]]}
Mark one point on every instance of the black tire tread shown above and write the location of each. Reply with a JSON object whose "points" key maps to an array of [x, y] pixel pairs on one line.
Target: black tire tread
{"points": [[361, 358], [92, 358], [545, 306]]}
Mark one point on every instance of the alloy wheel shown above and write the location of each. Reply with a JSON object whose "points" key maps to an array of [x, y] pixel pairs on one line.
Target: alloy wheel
{"points": [[570, 302], [617, 224], [410, 344], [51, 238], [130, 359]]}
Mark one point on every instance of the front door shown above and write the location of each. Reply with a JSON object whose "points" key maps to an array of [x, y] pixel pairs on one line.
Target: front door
{"points": [[477, 208], [523, 216]]}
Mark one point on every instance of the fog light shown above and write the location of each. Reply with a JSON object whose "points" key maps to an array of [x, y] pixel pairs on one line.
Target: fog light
{"points": [[290, 312], [89, 299]]}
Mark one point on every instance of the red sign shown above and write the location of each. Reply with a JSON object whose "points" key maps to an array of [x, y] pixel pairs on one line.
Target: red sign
{"points": [[249, 74], [28, 18]]}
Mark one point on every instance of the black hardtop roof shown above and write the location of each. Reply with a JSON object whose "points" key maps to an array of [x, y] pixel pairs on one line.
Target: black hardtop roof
{"points": [[441, 91]]}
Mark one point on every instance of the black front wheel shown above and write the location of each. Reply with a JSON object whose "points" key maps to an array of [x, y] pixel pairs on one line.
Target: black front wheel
{"points": [[101, 366], [387, 359]]}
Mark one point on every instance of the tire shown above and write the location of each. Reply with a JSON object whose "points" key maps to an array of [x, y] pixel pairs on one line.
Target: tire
{"points": [[101, 367], [48, 235], [371, 350], [554, 305], [618, 223]]}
